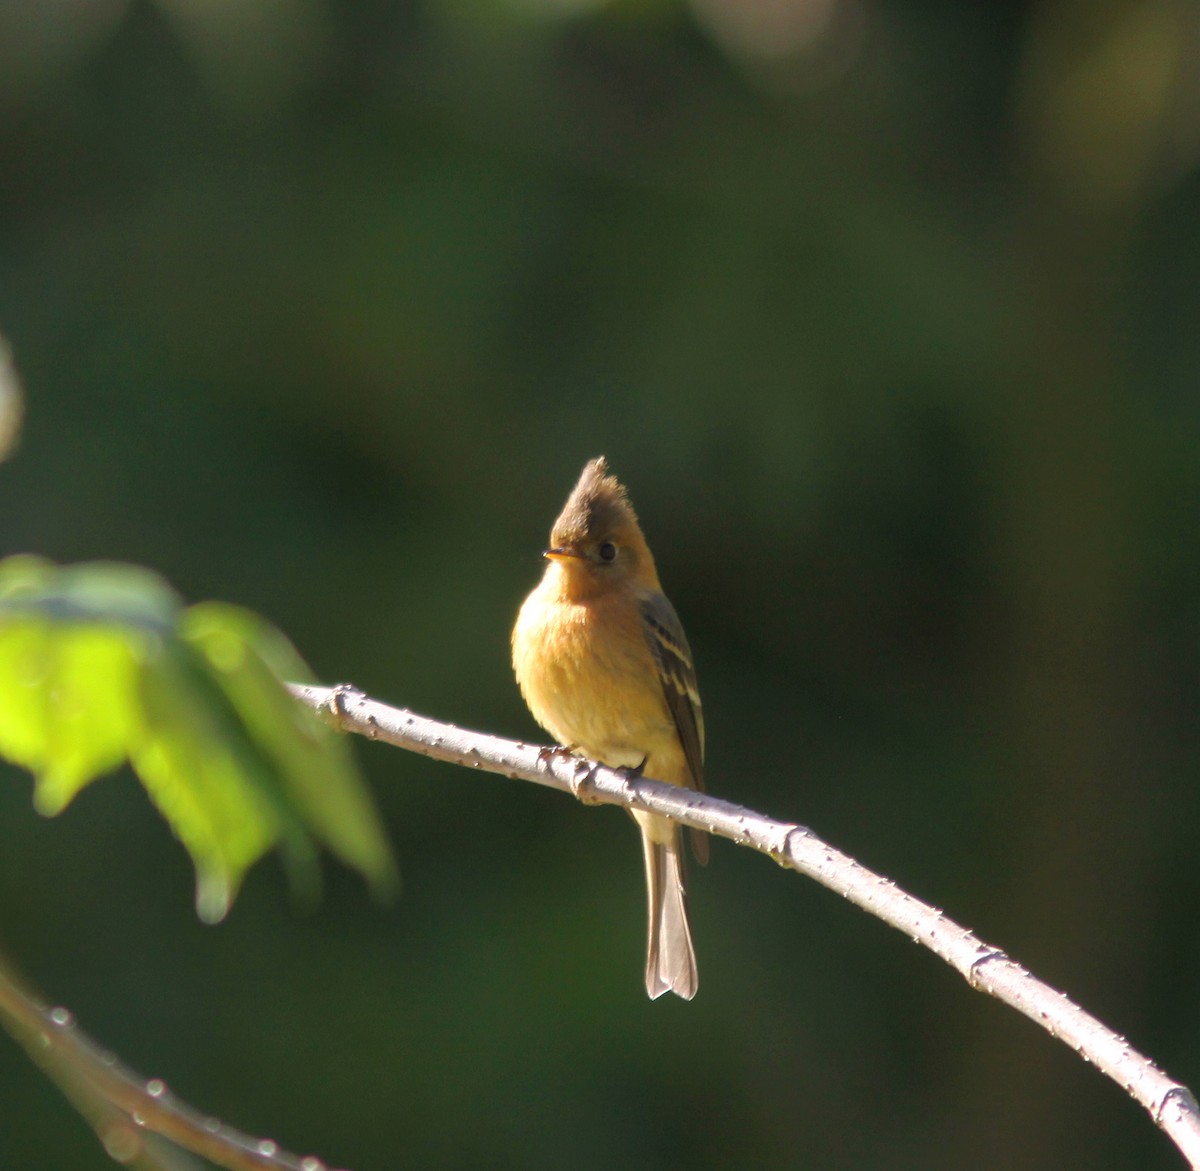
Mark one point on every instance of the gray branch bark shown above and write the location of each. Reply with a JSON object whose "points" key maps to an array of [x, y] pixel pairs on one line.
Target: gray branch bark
{"points": [[1169, 1103]]}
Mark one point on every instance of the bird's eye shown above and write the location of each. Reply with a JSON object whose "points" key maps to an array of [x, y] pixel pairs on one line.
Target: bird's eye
{"points": [[607, 551]]}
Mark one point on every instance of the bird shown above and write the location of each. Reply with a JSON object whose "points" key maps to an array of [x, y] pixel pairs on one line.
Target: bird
{"points": [[604, 666]]}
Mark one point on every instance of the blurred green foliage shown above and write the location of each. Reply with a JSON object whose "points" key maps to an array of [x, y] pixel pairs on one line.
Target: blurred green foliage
{"points": [[886, 314]]}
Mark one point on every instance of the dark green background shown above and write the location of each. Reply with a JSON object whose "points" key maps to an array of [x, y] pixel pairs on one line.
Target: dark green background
{"points": [[895, 339]]}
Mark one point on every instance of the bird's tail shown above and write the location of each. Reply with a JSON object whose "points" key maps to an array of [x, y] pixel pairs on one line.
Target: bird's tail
{"points": [[670, 957]]}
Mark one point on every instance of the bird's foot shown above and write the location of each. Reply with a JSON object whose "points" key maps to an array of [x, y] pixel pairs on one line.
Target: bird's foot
{"points": [[554, 752], [634, 772], [583, 783]]}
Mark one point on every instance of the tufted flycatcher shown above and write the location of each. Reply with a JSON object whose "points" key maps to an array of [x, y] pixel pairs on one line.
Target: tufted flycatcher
{"points": [[605, 668]]}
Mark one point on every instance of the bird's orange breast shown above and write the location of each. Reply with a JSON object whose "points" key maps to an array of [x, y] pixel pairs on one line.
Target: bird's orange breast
{"points": [[590, 680]]}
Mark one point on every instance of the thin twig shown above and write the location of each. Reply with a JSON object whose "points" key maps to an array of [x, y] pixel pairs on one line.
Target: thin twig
{"points": [[120, 1105], [1170, 1103]]}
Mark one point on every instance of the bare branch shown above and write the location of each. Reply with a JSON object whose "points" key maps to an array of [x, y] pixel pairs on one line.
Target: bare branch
{"points": [[124, 1109], [987, 968]]}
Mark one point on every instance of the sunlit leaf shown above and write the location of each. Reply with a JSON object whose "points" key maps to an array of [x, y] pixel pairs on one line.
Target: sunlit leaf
{"points": [[66, 674], [76, 723], [202, 773], [100, 664], [249, 658]]}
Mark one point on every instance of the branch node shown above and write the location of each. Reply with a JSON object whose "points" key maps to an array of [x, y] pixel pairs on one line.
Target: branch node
{"points": [[339, 695], [989, 954], [1180, 1098], [780, 854]]}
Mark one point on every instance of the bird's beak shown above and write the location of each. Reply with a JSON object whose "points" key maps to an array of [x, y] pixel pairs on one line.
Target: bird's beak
{"points": [[561, 555]]}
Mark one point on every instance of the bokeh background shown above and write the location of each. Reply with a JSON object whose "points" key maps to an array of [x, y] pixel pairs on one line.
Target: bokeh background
{"points": [[889, 316]]}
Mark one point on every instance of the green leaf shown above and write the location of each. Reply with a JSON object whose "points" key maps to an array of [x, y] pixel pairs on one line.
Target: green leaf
{"points": [[68, 719], [107, 592], [202, 772], [249, 659], [100, 664], [66, 674]]}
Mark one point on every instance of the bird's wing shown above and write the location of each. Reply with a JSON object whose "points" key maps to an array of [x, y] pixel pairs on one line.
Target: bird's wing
{"points": [[676, 672], [671, 652]]}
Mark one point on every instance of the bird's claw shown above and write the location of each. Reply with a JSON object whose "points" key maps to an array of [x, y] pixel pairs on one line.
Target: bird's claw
{"points": [[583, 779], [553, 752], [634, 772], [583, 783]]}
